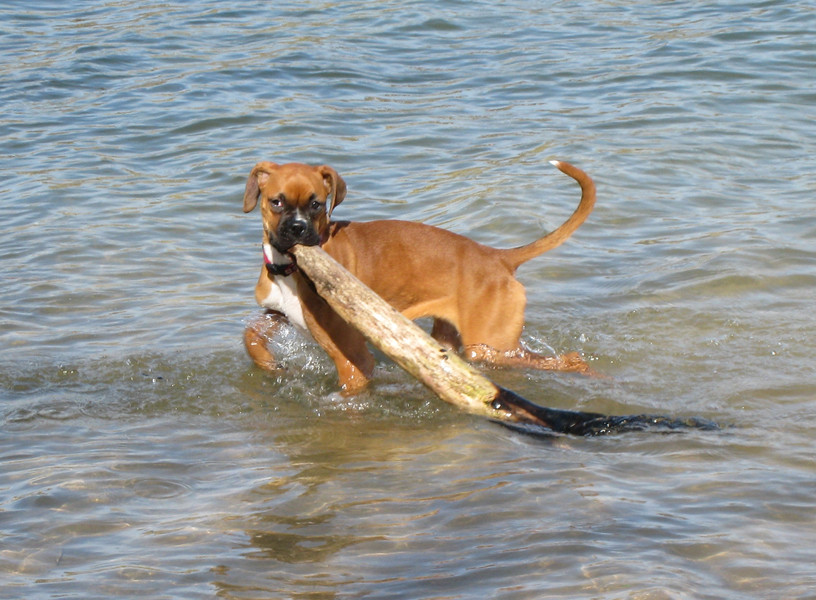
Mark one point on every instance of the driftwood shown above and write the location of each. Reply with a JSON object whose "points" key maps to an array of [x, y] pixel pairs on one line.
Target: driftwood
{"points": [[445, 372]]}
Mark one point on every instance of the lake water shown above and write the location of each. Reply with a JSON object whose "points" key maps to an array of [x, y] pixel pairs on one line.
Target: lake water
{"points": [[142, 455]]}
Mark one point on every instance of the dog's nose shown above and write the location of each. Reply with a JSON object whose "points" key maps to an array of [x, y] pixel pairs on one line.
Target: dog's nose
{"points": [[298, 228]]}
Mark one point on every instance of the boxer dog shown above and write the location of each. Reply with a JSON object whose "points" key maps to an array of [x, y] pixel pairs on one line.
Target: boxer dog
{"points": [[469, 289]]}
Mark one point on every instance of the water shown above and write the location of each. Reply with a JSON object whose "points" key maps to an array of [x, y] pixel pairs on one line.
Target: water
{"points": [[143, 456]]}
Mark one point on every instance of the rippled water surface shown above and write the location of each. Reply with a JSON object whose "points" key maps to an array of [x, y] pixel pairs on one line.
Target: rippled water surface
{"points": [[144, 456]]}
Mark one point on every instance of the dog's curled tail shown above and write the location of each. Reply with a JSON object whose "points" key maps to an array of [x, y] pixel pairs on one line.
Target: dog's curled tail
{"points": [[517, 256]]}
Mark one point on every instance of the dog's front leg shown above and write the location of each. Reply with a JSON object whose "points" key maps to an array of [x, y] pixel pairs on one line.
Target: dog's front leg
{"points": [[257, 335], [343, 343], [351, 356]]}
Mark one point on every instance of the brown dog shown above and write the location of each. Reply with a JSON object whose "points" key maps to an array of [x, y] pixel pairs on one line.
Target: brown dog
{"points": [[469, 289]]}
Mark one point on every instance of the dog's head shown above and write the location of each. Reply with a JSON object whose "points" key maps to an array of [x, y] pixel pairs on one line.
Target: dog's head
{"points": [[294, 201]]}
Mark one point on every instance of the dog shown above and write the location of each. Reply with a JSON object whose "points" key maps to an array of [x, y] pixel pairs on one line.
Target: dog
{"points": [[469, 289]]}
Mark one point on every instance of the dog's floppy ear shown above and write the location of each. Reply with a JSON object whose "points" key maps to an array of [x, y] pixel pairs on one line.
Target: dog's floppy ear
{"points": [[256, 177], [335, 184]]}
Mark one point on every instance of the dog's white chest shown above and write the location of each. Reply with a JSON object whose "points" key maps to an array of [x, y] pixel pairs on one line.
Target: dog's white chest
{"points": [[283, 297], [283, 294]]}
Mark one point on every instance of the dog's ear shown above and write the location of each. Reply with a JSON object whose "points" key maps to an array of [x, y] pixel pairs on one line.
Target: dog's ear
{"points": [[256, 178], [336, 186]]}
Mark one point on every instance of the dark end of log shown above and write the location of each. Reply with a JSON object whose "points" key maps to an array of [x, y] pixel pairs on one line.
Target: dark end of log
{"points": [[533, 419]]}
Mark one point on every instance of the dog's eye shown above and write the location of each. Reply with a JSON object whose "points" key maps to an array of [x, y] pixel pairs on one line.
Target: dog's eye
{"points": [[276, 202], [315, 205]]}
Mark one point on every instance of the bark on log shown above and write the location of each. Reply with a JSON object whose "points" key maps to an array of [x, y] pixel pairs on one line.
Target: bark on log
{"points": [[445, 372]]}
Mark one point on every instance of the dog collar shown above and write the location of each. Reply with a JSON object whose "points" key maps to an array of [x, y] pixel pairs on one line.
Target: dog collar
{"points": [[274, 269]]}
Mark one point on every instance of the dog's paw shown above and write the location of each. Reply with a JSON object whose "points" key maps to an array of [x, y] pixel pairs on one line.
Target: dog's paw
{"points": [[573, 361]]}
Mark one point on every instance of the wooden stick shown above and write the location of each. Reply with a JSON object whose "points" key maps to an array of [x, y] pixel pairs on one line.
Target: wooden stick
{"points": [[442, 370]]}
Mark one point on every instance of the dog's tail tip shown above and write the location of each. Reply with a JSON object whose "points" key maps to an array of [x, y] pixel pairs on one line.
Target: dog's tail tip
{"points": [[556, 163]]}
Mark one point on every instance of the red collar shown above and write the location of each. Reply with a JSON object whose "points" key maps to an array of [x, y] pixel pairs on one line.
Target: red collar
{"points": [[274, 270]]}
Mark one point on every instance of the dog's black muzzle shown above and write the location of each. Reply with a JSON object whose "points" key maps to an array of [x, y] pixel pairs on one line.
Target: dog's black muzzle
{"points": [[295, 231]]}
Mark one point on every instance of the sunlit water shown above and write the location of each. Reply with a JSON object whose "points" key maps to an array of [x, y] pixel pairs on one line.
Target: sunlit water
{"points": [[144, 456]]}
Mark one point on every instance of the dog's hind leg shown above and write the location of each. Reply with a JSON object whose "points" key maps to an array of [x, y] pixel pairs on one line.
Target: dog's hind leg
{"points": [[446, 334], [492, 327], [571, 362]]}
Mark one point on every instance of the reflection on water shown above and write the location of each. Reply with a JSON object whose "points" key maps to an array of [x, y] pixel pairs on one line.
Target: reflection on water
{"points": [[143, 456]]}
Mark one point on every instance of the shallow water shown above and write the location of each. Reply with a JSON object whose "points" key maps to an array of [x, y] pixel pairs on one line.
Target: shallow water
{"points": [[142, 454]]}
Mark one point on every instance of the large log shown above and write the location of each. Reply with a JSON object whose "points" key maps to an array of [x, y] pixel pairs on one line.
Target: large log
{"points": [[444, 371]]}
